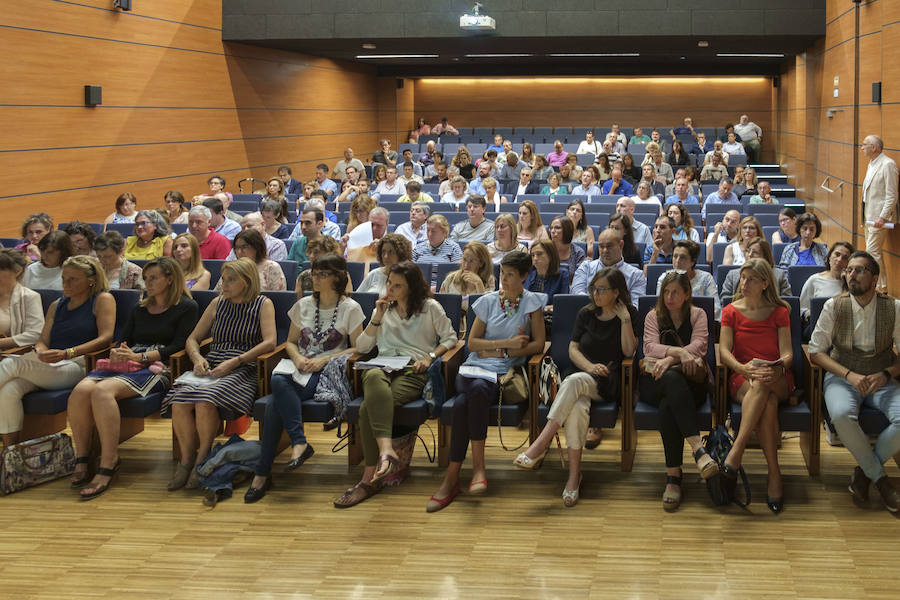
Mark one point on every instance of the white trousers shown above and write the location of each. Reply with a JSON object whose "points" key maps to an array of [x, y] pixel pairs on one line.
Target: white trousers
{"points": [[874, 241], [572, 405], [18, 376]]}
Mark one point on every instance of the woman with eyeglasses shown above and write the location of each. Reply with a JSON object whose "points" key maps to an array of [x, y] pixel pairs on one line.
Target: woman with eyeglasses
{"points": [[120, 272], [605, 333], [830, 282], [249, 244], [151, 237]]}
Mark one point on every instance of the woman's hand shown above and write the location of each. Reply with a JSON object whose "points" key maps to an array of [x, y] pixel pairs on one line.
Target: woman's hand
{"points": [[201, 367], [490, 354], [689, 363], [622, 311], [421, 365], [226, 367], [381, 306], [302, 364], [517, 342], [663, 365], [317, 364], [600, 370], [52, 356], [123, 354]]}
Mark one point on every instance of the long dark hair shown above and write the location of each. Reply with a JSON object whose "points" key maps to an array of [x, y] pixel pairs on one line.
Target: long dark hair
{"points": [[616, 281], [663, 318], [582, 222], [335, 265], [630, 248], [419, 290]]}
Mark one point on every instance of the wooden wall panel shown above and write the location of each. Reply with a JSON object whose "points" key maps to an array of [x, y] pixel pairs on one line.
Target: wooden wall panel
{"points": [[178, 106]]}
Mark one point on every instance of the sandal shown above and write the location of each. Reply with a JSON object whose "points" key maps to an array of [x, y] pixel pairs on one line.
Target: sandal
{"points": [[570, 497], [529, 464], [436, 504], [478, 487], [86, 477], [353, 496], [393, 464], [672, 500], [591, 443], [100, 489], [709, 468]]}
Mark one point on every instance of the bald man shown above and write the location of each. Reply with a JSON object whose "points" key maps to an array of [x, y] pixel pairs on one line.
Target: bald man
{"points": [[879, 196]]}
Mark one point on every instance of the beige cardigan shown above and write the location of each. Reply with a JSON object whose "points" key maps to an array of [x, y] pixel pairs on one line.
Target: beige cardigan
{"points": [[26, 316]]}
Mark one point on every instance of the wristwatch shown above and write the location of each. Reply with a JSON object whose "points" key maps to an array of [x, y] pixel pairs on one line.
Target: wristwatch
{"points": [[433, 356]]}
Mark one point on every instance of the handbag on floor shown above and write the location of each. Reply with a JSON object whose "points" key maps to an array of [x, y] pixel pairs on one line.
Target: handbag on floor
{"points": [[36, 461], [718, 443]]}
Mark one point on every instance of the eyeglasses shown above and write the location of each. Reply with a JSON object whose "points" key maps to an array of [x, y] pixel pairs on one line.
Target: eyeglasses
{"points": [[856, 270], [599, 290], [319, 274], [142, 224]]}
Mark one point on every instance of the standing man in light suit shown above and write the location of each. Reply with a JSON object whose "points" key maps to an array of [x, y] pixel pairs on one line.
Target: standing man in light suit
{"points": [[879, 196]]}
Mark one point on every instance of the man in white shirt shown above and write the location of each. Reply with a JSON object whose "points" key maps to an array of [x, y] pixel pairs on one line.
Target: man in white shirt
{"points": [[751, 135], [325, 184], [525, 186], [391, 185], [414, 230], [718, 147], [340, 169], [725, 230], [275, 248], [620, 137], [588, 145], [610, 245], [855, 341], [625, 206], [476, 227], [879, 197], [501, 156]]}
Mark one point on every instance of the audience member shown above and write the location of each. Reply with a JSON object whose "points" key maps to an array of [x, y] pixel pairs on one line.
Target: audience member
{"points": [[291, 185], [616, 185], [505, 233], [126, 209], [681, 195], [751, 135], [625, 205], [757, 248], [438, 248], [639, 137], [678, 155], [610, 247], [583, 232], [723, 195], [379, 218], [389, 250], [25, 320], [547, 275], [701, 146], [513, 167], [475, 227], [414, 229], [588, 187], [34, 228], [444, 127], [46, 273], [659, 250], [684, 224], [558, 156], [217, 220], [274, 223], [340, 169], [732, 147], [275, 248], [316, 248], [216, 185], [121, 274], [249, 244], [524, 186], [391, 185], [748, 230], [684, 258], [561, 233], [622, 224], [82, 236], [806, 251], [588, 145], [663, 171], [151, 237], [213, 246], [186, 251], [553, 187], [686, 129], [830, 282], [724, 231], [175, 212], [603, 168], [385, 155], [746, 182]]}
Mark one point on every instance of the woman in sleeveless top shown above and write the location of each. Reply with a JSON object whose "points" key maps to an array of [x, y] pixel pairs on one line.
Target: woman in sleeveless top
{"points": [[735, 253], [186, 250], [242, 325], [81, 321]]}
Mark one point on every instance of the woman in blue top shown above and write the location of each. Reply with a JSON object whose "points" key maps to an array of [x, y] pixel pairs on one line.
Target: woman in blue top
{"points": [[508, 328], [806, 251], [547, 276]]}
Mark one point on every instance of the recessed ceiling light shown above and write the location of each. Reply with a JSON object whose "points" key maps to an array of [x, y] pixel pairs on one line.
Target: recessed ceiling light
{"points": [[368, 46], [703, 44], [376, 56], [593, 54], [739, 55], [495, 55]]}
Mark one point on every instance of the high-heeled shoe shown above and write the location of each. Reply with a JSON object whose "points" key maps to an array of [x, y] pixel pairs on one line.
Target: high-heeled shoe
{"points": [[710, 468], [672, 500], [101, 489], [256, 494], [529, 464], [776, 505], [570, 497]]}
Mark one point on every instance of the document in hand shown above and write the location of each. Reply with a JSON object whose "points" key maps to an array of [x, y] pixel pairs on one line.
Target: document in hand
{"points": [[360, 236], [190, 378], [388, 364], [477, 373], [287, 367]]}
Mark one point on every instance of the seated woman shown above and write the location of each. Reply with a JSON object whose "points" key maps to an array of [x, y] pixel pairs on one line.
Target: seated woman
{"points": [[379, 174], [745, 185], [121, 274], [630, 171], [508, 328], [643, 194], [749, 229], [463, 161], [530, 227], [787, 227], [274, 193], [323, 326], [684, 224], [186, 250], [360, 208], [82, 237], [756, 248], [505, 229], [34, 228], [317, 247], [491, 197], [151, 237], [630, 253], [756, 327], [216, 185], [21, 311], [546, 276], [126, 210], [406, 322], [175, 212], [249, 244], [274, 220], [603, 170], [80, 322], [830, 282], [678, 156], [570, 255], [675, 339], [157, 328], [605, 333], [391, 249], [583, 232], [46, 274], [458, 192], [474, 276], [554, 187], [527, 156], [542, 169], [241, 322], [807, 251]]}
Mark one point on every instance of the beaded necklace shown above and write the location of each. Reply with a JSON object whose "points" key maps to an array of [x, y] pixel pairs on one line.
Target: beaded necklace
{"points": [[318, 336], [510, 306]]}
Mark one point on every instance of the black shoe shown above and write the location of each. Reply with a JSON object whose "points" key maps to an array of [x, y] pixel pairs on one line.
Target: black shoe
{"points": [[101, 489], [729, 481], [87, 477], [296, 462], [859, 486], [331, 424], [776, 505], [256, 494]]}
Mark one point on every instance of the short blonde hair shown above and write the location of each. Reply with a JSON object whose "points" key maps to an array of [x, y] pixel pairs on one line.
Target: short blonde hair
{"points": [[489, 182], [245, 270], [440, 221], [92, 269]]}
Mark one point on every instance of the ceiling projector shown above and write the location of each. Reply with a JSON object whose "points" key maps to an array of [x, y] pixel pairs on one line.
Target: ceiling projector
{"points": [[477, 21]]}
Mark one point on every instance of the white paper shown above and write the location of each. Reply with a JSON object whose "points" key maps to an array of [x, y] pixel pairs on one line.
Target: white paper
{"points": [[287, 367], [360, 236], [887, 224], [388, 364], [473, 372], [758, 362], [189, 378], [33, 356]]}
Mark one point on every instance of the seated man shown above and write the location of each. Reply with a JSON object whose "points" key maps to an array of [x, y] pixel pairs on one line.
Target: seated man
{"points": [[588, 187], [340, 169], [715, 170], [616, 184], [725, 230], [426, 159], [610, 152], [617, 146], [213, 246], [414, 229], [670, 189], [625, 206], [701, 146], [855, 341], [391, 185], [588, 145], [492, 162], [476, 227], [438, 248], [414, 193], [719, 147], [729, 128], [354, 174], [409, 175], [497, 146], [664, 146], [610, 245], [385, 155], [441, 173], [352, 191], [329, 227], [750, 135], [524, 186], [569, 175], [659, 251], [663, 169], [218, 221], [275, 248], [291, 185], [648, 174], [639, 137], [444, 127], [325, 184], [557, 158], [681, 195], [379, 218], [501, 156], [686, 129], [684, 258], [513, 167], [311, 223], [763, 194], [484, 171], [723, 195], [620, 137]]}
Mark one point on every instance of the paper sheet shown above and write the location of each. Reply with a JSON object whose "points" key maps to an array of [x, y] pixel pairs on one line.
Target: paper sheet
{"points": [[360, 236], [388, 364], [287, 367], [477, 373], [189, 378]]}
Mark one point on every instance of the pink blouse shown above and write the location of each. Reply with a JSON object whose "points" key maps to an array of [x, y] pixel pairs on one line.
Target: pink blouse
{"points": [[699, 336]]}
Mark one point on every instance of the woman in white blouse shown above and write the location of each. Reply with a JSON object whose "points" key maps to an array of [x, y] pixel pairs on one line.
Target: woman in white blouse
{"points": [[829, 283], [393, 248]]}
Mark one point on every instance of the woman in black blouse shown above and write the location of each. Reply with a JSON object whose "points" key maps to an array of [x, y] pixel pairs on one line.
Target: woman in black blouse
{"points": [[605, 333], [157, 328]]}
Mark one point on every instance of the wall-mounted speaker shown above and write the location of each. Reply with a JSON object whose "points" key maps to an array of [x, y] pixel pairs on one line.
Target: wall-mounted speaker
{"points": [[122, 4], [876, 92], [93, 95]]}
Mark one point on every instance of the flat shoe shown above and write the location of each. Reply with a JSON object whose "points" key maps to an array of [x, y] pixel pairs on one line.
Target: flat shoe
{"points": [[99, 490], [353, 496], [776, 505], [672, 500], [592, 443], [296, 462], [570, 497], [392, 465], [478, 487], [436, 504], [179, 479], [256, 494], [193, 481], [529, 464]]}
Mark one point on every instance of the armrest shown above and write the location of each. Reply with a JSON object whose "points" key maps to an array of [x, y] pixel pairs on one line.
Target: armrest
{"points": [[721, 387], [353, 374], [180, 362], [265, 363], [91, 358], [19, 350], [814, 375], [451, 360]]}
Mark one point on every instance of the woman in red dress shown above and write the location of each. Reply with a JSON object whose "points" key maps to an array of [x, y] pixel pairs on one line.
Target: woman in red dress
{"points": [[756, 326]]}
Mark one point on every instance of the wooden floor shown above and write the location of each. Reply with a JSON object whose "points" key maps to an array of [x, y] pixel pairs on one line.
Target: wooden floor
{"points": [[518, 541]]}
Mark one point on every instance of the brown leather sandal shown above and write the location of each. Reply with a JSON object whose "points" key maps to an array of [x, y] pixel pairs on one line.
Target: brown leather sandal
{"points": [[353, 496]]}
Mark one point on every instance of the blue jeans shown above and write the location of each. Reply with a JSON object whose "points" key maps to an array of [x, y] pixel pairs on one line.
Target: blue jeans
{"points": [[844, 402], [284, 412]]}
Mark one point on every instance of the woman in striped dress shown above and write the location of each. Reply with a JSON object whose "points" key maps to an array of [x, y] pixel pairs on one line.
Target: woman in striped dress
{"points": [[242, 325]]}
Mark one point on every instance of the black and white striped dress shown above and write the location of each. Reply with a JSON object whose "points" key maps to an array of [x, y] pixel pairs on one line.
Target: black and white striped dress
{"points": [[235, 330]]}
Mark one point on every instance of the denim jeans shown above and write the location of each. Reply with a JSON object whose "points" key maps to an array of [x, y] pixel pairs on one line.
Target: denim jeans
{"points": [[284, 412], [471, 413], [844, 402]]}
